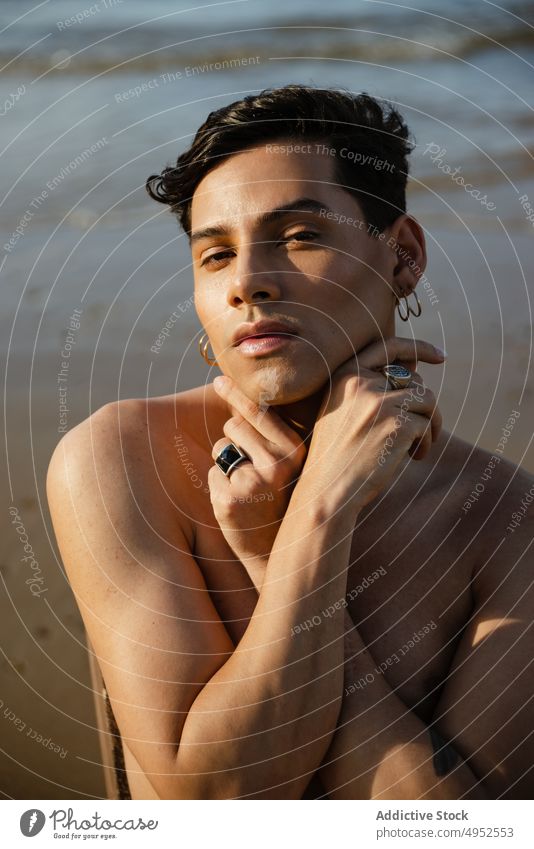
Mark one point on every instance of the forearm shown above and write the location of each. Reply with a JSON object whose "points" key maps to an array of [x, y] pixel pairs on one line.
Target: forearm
{"points": [[262, 724], [382, 750]]}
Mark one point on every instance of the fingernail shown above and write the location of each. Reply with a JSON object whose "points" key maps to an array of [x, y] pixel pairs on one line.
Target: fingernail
{"points": [[220, 382], [439, 352]]}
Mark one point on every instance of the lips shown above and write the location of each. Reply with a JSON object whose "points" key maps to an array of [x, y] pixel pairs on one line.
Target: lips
{"points": [[262, 328]]}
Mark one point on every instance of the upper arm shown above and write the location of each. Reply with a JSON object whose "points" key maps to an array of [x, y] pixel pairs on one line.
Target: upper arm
{"points": [[142, 597], [486, 709]]}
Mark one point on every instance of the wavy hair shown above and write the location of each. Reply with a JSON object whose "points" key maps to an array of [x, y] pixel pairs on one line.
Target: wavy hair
{"points": [[370, 139]]}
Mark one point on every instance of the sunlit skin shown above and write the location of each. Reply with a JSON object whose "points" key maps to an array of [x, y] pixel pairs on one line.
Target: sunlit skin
{"points": [[190, 594], [336, 281]]}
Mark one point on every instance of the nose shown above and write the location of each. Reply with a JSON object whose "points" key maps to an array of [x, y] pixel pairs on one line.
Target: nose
{"points": [[252, 280]]}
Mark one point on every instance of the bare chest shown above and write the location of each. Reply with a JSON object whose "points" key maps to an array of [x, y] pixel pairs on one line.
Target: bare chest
{"points": [[408, 593]]}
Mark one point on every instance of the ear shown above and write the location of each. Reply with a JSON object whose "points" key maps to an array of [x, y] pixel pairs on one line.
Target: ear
{"points": [[406, 241]]}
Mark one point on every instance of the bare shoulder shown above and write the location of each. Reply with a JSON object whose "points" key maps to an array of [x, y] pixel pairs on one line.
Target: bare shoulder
{"points": [[111, 472], [471, 491], [116, 503], [137, 439], [492, 498], [127, 550], [478, 480], [489, 484]]}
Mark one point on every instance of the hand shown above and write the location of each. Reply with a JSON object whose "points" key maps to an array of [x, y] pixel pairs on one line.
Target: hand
{"points": [[363, 432], [251, 502]]}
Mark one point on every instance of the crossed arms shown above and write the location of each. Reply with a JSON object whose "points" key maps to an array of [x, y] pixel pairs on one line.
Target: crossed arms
{"points": [[207, 720]]}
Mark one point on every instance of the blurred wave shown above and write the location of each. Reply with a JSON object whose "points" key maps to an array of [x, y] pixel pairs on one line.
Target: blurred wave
{"points": [[95, 38]]}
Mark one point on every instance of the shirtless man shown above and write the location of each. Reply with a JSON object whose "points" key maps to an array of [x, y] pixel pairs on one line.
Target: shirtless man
{"points": [[326, 621]]}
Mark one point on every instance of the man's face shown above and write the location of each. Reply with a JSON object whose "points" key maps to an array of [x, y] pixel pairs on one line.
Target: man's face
{"points": [[330, 280]]}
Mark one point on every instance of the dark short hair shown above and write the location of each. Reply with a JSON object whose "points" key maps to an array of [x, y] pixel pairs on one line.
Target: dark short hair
{"points": [[362, 131]]}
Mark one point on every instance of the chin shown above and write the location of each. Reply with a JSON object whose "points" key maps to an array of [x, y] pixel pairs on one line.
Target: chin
{"points": [[277, 385]]}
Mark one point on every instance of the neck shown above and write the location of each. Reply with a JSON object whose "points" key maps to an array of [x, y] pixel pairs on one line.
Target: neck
{"points": [[302, 415]]}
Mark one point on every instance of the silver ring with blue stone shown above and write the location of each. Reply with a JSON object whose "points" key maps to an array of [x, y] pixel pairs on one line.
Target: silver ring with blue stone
{"points": [[229, 457], [398, 377]]}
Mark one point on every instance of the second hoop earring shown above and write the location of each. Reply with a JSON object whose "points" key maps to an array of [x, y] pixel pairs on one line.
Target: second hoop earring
{"points": [[408, 310], [203, 347]]}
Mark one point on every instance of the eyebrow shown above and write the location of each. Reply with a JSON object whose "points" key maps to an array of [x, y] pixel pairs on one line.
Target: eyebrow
{"points": [[299, 205]]}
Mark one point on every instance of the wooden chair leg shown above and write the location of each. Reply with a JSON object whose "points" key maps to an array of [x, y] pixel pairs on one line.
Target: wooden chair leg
{"points": [[116, 780]]}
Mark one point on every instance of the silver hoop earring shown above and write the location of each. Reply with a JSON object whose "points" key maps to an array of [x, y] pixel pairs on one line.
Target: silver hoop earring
{"points": [[406, 315]]}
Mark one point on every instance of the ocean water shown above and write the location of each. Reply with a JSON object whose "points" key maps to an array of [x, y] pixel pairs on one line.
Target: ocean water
{"points": [[130, 83]]}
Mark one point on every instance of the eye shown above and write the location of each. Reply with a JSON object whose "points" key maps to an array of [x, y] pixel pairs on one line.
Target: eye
{"points": [[301, 236], [215, 259]]}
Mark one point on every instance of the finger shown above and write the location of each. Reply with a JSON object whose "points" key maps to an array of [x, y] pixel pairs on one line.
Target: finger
{"points": [[427, 410], [436, 423], [416, 395], [264, 419], [218, 485], [422, 445], [411, 365], [416, 428], [242, 433], [379, 353], [222, 443], [419, 399], [261, 449], [428, 405]]}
